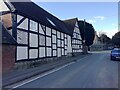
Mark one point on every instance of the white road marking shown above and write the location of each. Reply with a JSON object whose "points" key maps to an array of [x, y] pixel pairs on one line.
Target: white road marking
{"points": [[43, 75]]}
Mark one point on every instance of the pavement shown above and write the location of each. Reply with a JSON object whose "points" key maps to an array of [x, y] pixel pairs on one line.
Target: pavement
{"points": [[93, 71], [16, 76]]}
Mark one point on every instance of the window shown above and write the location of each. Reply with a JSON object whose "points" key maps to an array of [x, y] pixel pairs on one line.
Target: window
{"points": [[51, 22]]}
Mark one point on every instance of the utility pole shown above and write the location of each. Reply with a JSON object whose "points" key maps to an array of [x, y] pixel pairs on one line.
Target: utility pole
{"points": [[84, 30], [84, 45]]}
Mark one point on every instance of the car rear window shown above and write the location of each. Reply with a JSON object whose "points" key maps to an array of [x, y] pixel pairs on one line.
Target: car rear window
{"points": [[116, 51]]}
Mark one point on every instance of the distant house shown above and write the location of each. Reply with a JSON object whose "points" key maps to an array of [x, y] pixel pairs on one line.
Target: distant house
{"points": [[96, 40], [97, 44], [76, 40]]}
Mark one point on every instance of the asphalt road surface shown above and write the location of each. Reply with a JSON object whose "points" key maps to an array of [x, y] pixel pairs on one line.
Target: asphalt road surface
{"points": [[93, 71]]}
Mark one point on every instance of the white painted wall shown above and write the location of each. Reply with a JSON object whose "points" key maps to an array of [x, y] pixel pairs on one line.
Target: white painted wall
{"points": [[59, 43], [53, 38], [58, 34], [41, 40], [49, 51], [54, 52], [3, 6], [33, 40], [22, 53], [48, 41], [54, 46], [41, 30], [69, 47], [33, 26], [33, 53], [59, 52], [41, 52], [48, 31], [22, 37], [24, 24], [53, 31]]}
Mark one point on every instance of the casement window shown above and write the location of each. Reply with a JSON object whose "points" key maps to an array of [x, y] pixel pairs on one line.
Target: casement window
{"points": [[51, 22]]}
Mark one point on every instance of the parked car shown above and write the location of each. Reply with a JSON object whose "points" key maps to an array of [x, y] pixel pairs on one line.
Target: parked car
{"points": [[115, 54]]}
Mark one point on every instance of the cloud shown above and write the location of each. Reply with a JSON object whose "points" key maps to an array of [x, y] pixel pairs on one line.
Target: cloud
{"points": [[113, 24], [91, 21], [100, 17]]}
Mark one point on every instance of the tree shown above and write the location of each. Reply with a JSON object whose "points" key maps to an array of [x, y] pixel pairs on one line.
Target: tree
{"points": [[87, 33], [116, 39]]}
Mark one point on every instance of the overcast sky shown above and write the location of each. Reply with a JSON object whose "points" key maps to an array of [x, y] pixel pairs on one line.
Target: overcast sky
{"points": [[103, 15]]}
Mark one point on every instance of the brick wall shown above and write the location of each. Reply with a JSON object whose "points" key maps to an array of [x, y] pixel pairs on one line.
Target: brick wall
{"points": [[8, 57]]}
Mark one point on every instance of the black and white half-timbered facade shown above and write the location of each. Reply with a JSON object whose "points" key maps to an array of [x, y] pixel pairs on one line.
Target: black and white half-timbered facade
{"points": [[76, 40], [38, 33]]}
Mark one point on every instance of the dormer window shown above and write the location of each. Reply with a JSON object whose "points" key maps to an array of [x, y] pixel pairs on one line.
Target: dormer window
{"points": [[51, 22]]}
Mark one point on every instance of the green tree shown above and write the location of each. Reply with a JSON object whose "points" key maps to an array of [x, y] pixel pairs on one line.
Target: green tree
{"points": [[87, 32], [116, 39]]}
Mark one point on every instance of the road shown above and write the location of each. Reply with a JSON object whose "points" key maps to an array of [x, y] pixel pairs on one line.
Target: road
{"points": [[93, 71]]}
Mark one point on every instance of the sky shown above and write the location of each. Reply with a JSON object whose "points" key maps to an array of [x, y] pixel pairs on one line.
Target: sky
{"points": [[102, 15]]}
